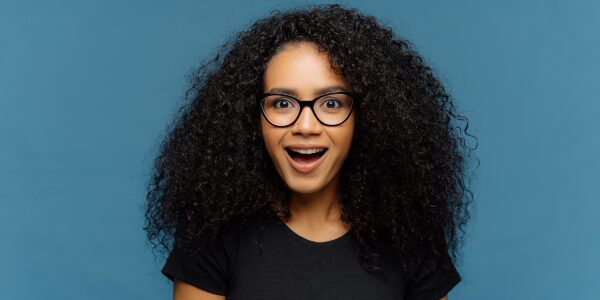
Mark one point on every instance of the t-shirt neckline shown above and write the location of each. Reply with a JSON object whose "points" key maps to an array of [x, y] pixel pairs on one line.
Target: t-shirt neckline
{"points": [[308, 242]]}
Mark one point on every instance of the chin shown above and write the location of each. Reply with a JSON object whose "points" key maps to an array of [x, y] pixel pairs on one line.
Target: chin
{"points": [[301, 187]]}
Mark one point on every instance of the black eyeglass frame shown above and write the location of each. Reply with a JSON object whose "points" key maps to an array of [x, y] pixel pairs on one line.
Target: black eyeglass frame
{"points": [[310, 103]]}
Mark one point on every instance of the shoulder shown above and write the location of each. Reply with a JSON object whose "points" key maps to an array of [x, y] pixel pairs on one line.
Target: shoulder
{"points": [[231, 234], [210, 266], [434, 276]]}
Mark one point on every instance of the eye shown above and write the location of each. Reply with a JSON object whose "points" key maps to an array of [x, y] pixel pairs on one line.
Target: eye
{"points": [[282, 103], [331, 103]]}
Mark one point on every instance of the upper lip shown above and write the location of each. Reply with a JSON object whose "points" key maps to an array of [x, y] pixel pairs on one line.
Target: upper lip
{"points": [[305, 146]]}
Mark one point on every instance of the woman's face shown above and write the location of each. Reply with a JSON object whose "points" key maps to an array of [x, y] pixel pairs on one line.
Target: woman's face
{"points": [[305, 73]]}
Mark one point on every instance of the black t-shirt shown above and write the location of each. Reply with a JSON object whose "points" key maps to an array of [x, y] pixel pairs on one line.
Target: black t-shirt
{"points": [[292, 267]]}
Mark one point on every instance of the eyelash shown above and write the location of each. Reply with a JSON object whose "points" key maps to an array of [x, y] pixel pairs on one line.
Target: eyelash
{"points": [[278, 101]]}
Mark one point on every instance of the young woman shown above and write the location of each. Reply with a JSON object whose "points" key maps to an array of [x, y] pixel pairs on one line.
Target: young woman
{"points": [[317, 160]]}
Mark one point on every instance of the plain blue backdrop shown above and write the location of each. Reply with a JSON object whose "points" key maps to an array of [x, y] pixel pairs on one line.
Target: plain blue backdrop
{"points": [[87, 89]]}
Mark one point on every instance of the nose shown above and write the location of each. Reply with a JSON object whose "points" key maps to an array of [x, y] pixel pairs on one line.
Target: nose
{"points": [[307, 123]]}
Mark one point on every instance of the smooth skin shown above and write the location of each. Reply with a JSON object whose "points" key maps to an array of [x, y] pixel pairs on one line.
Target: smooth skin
{"points": [[315, 201]]}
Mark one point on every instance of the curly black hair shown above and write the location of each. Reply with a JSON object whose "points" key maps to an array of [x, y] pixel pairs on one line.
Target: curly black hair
{"points": [[403, 184]]}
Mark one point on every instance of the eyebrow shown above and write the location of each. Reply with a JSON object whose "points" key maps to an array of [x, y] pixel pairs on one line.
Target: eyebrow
{"points": [[328, 89]]}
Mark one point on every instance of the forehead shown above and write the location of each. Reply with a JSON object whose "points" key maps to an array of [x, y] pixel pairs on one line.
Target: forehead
{"points": [[300, 67]]}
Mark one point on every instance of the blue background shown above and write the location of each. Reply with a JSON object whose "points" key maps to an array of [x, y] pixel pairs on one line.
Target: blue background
{"points": [[87, 89]]}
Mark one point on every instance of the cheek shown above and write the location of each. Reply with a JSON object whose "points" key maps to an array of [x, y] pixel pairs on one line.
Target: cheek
{"points": [[347, 134], [347, 143], [266, 136], [343, 141], [270, 136]]}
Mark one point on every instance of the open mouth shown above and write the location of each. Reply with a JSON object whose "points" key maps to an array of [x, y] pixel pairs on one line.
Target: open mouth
{"points": [[305, 156]]}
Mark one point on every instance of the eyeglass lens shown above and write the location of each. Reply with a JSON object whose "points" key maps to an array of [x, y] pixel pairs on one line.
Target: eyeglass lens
{"points": [[331, 109]]}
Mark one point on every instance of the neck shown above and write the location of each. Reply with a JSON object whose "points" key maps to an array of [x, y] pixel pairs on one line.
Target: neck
{"points": [[317, 208]]}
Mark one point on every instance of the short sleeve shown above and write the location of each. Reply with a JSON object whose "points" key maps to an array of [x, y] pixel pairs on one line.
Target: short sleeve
{"points": [[209, 270], [434, 279]]}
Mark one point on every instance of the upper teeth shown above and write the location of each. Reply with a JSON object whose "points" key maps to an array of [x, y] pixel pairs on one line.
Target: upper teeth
{"points": [[307, 151]]}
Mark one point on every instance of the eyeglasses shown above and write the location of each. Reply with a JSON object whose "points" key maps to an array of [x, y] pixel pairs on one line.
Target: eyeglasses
{"points": [[329, 109]]}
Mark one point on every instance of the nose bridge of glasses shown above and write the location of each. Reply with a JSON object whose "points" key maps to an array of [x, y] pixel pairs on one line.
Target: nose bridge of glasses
{"points": [[306, 106]]}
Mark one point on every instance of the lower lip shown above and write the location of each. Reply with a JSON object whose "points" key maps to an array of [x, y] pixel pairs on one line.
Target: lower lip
{"points": [[304, 167]]}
